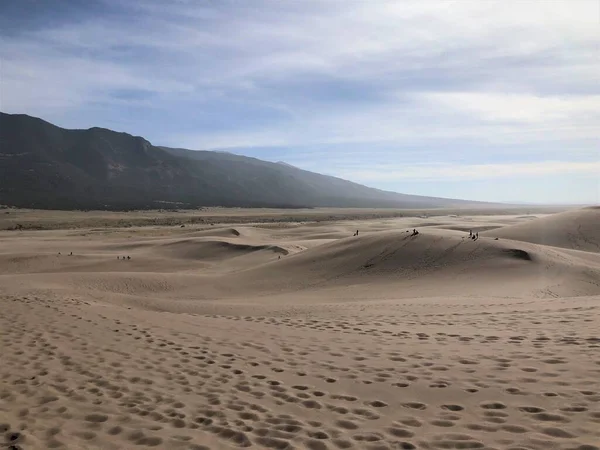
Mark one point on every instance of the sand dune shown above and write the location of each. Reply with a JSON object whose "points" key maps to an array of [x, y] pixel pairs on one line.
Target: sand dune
{"points": [[578, 229], [303, 336], [437, 262], [216, 249]]}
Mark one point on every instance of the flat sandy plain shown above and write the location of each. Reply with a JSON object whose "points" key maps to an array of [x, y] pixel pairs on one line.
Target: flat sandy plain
{"points": [[292, 334]]}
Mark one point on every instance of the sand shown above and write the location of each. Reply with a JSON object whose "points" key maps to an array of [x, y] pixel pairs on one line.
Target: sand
{"points": [[299, 335]]}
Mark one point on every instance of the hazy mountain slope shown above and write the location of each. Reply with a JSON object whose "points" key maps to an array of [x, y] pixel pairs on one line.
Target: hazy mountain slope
{"points": [[323, 190], [44, 166]]}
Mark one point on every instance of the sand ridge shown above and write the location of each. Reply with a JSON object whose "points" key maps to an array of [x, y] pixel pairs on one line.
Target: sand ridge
{"points": [[302, 336]]}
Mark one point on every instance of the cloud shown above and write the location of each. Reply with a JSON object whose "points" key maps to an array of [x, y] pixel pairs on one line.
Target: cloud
{"points": [[518, 107], [467, 172], [433, 118]]}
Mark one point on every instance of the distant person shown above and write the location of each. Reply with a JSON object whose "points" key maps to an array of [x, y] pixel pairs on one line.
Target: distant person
{"points": [[470, 233], [71, 254], [118, 257], [477, 235], [128, 257], [357, 232]]}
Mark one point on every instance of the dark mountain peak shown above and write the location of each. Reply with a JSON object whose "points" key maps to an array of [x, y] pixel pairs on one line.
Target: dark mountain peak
{"points": [[122, 134], [45, 166]]}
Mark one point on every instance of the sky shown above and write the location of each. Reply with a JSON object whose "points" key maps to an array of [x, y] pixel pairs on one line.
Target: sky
{"points": [[482, 100]]}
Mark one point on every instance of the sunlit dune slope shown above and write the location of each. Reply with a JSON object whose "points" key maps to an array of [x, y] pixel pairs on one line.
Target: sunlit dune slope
{"points": [[578, 229]]}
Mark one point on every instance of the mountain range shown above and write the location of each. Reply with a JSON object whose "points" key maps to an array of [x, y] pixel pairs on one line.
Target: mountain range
{"points": [[48, 167]]}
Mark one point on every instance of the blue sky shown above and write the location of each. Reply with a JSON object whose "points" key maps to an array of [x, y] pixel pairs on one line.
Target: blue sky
{"points": [[480, 100]]}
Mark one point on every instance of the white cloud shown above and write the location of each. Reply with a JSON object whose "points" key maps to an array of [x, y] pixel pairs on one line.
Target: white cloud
{"points": [[483, 119], [35, 79], [347, 39], [517, 107], [465, 172]]}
